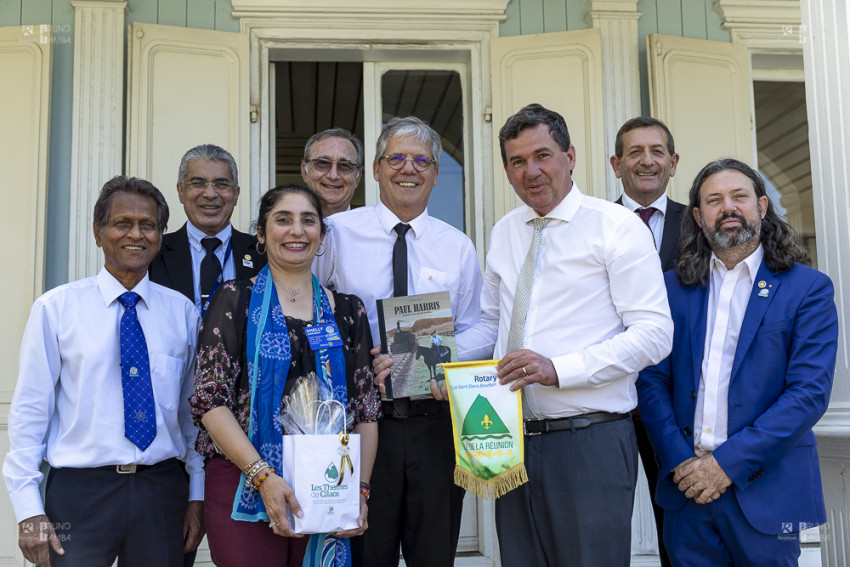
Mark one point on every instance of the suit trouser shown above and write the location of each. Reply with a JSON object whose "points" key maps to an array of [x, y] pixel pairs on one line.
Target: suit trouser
{"points": [[414, 501], [576, 508], [718, 534], [100, 515]]}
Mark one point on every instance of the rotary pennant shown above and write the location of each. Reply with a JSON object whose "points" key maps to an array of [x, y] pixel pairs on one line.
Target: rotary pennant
{"points": [[487, 425]]}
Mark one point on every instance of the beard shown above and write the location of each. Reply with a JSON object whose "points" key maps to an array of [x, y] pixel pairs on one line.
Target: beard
{"points": [[731, 237]]}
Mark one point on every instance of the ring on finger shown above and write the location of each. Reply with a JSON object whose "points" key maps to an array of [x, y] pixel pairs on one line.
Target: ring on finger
{"points": [[525, 371], [273, 524]]}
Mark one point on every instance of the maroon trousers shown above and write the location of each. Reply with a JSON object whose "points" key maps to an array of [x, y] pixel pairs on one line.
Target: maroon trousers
{"points": [[241, 544]]}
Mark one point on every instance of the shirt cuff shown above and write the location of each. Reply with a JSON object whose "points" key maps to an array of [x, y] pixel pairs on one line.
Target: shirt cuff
{"points": [[196, 486], [27, 503], [571, 371]]}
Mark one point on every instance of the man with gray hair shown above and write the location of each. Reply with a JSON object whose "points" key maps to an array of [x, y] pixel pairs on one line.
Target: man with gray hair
{"points": [[207, 250], [332, 167], [393, 249]]}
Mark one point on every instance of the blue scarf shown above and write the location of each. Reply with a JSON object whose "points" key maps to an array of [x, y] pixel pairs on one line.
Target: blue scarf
{"points": [[269, 356]]}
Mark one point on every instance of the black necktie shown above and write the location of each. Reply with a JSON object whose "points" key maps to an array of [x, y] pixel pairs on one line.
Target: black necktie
{"points": [[401, 405], [210, 266], [400, 260]]}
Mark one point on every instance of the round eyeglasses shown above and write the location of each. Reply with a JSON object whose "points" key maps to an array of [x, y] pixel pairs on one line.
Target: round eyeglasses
{"points": [[420, 162]]}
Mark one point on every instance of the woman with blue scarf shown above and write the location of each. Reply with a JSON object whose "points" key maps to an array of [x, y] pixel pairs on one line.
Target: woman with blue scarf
{"points": [[253, 347]]}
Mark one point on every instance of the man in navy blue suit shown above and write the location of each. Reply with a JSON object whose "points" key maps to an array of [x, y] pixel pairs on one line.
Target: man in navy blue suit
{"points": [[730, 412]]}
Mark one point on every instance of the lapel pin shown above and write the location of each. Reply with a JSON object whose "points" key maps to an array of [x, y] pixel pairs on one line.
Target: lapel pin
{"points": [[764, 293], [246, 261], [762, 284]]}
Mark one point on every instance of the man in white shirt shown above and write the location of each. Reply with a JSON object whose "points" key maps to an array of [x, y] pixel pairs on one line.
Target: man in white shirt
{"points": [[644, 160], [102, 396], [574, 300], [207, 250], [415, 503], [730, 411], [332, 167]]}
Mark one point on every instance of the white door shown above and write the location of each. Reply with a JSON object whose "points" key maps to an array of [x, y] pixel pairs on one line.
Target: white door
{"points": [[702, 90], [186, 87]]}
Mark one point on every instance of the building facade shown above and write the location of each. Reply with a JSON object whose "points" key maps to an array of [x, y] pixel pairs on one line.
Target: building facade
{"points": [[94, 88]]}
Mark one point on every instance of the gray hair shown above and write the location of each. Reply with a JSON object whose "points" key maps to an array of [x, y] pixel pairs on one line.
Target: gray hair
{"points": [[208, 152], [132, 185], [335, 133], [409, 127]]}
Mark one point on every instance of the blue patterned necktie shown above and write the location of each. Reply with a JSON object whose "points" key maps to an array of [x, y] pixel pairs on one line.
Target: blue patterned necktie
{"points": [[139, 412]]}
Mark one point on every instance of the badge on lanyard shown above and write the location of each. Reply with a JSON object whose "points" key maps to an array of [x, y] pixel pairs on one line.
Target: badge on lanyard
{"points": [[323, 336]]}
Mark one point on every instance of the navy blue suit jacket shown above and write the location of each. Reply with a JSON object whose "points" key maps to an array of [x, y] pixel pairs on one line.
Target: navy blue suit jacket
{"points": [[779, 388]]}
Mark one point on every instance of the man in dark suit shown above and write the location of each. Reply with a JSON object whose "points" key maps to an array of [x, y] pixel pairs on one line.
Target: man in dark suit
{"points": [[207, 249], [645, 159], [730, 412]]}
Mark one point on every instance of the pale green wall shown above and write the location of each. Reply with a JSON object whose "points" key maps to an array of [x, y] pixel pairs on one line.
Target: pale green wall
{"points": [[687, 18], [204, 14]]}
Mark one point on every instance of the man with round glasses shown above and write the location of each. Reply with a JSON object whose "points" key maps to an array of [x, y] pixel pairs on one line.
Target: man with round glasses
{"points": [[206, 250], [414, 504], [332, 167]]}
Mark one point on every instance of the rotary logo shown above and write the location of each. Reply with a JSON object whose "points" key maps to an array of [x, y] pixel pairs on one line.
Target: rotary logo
{"points": [[134, 372]]}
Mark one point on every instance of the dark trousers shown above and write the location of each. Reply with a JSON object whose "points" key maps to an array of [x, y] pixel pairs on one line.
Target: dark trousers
{"points": [[718, 535], [414, 503], [576, 508], [100, 515], [650, 469], [236, 543]]}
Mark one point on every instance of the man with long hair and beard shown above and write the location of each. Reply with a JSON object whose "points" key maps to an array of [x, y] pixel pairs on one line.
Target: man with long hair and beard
{"points": [[730, 412]]}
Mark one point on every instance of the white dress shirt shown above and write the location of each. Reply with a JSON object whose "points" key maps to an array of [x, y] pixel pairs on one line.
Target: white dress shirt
{"points": [[656, 221], [68, 403], [358, 259], [598, 305], [228, 269], [728, 296]]}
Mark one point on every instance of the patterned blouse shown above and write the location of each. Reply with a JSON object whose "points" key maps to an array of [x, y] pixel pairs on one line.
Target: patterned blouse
{"points": [[221, 371]]}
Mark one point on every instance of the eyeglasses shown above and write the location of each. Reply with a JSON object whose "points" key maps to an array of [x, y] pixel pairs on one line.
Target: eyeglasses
{"points": [[420, 163], [343, 167], [220, 185]]}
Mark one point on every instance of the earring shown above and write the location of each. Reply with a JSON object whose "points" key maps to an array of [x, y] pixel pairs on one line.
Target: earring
{"points": [[257, 246], [321, 250]]}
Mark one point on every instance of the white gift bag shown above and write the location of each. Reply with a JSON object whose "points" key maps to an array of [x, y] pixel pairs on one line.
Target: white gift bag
{"points": [[324, 484]]}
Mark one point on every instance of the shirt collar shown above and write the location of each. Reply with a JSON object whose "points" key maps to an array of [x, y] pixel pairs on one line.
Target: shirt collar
{"points": [[111, 288], [563, 211], [195, 235], [752, 263], [388, 220], [660, 203]]}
